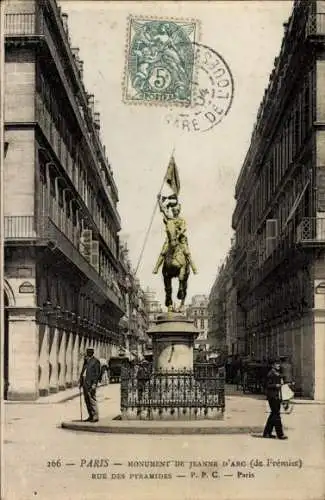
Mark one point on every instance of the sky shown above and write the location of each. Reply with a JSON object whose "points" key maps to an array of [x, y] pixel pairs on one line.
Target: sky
{"points": [[139, 140]]}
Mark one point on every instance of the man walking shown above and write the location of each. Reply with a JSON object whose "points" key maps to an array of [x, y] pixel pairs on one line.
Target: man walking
{"points": [[89, 378], [273, 386]]}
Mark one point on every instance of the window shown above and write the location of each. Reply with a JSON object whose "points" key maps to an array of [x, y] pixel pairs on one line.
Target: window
{"points": [[271, 235], [202, 323]]}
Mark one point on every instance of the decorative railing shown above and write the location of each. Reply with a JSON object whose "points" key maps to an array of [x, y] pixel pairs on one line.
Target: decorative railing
{"points": [[18, 24], [19, 227], [316, 24], [311, 229], [182, 394]]}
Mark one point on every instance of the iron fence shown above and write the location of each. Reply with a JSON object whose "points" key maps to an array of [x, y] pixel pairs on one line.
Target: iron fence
{"points": [[151, 394]]}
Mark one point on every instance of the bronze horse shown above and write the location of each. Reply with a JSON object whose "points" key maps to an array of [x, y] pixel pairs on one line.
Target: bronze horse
{"points": [[175, 265]]}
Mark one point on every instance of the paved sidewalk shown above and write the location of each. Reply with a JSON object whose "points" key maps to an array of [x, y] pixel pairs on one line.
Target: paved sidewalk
{"points": [[59, 397], [69, 394]]}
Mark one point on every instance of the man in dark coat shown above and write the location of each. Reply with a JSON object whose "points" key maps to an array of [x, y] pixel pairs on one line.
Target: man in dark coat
{"points": [[273, 385], [89, 378]]}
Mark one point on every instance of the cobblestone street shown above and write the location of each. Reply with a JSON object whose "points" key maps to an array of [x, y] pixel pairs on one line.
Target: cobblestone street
{"points": [[44, 461]]}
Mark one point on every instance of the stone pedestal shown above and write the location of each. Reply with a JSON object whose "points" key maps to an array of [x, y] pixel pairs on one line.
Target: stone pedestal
{"points": [[173, 342]]}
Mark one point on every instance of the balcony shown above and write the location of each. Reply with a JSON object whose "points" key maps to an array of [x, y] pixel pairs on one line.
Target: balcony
{"points": [[315, 25], [24, 229], [20, 24], [20, 228], [311, 232]]}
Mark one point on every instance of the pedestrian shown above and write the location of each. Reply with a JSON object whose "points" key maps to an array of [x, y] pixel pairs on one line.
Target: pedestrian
{"points": [[89, 378], [273, 394]]}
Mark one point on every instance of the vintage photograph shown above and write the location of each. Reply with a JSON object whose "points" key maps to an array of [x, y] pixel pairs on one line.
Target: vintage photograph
{"points": [[162, 247]]}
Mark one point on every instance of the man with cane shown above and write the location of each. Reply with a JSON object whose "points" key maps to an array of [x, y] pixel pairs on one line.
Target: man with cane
{"points": [[89, 378], [273, 394]]}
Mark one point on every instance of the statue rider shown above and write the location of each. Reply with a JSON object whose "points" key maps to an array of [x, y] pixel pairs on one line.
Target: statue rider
{"points": [[175, 225]]}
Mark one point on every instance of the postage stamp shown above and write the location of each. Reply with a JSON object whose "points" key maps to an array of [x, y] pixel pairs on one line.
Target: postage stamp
{"points": [[159, 66], [212, 93]]}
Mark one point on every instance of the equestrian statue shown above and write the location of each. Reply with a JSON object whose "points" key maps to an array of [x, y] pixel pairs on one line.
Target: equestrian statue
{"points": [[175, 256]]}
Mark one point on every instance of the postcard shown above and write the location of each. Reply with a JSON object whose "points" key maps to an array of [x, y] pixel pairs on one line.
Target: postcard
{"points": [[162, 250]]}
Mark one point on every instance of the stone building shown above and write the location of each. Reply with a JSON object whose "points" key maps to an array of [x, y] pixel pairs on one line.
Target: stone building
{"points": [[154, 307], [279, 217], [61, 220], [226, 329], [197, 310], [136, 319]]}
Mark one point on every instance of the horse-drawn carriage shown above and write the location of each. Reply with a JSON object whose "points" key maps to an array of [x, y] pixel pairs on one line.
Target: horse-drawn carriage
{"points": [[253, 377], [115, 366]]}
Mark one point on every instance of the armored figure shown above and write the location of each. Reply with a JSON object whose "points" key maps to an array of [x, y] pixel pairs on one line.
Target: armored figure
{"points": [[176, 233]]}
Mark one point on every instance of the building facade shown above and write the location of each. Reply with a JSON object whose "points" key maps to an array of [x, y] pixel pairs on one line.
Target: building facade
{"points": [[197, 310], [135, 322], [279, 218], [60, 202], [226, 330], [154, 307]]}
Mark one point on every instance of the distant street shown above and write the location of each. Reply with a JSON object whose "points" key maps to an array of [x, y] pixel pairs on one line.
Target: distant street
{"points": [[38, 453]]}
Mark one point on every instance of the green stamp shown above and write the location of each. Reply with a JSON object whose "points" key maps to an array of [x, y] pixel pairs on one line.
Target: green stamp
{"points": [[160, 61]]}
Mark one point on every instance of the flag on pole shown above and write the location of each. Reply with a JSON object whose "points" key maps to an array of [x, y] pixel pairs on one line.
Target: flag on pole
{"points": [[172, 176]]}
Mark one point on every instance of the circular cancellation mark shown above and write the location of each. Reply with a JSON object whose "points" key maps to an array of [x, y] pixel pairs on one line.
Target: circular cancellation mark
{"points": [[212, 93]]}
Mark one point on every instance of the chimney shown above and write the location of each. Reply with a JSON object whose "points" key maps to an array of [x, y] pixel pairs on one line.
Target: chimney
{"points": [[97, 120], [64, 18], [75, 53], [81, 68], [91, 102]]}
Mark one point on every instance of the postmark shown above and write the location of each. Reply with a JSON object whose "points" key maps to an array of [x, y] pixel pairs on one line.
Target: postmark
{"points": [[159, 67], [212, 93]]}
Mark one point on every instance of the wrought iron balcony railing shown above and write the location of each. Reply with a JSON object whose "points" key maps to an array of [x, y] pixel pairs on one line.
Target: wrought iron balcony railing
{"points": [[311, 231], [19, 24], [20, 227], [316, 25]]}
